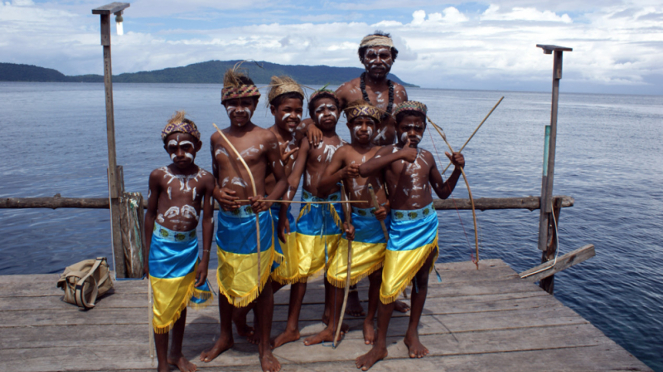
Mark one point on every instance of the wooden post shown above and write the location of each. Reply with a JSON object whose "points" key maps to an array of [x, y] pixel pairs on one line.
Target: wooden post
{"points": [[548, 284], [132, 231], [115, 180], [549, 152]]}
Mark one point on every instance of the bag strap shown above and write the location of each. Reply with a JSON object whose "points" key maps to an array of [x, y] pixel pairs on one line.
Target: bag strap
{"points": [[105, 273], [79, 296]]}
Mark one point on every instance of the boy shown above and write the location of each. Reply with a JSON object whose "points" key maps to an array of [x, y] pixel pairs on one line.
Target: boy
{"points": [[286, 99], [237, 241], [369, 243], [318, 229], [176, 195], [412, 248]]}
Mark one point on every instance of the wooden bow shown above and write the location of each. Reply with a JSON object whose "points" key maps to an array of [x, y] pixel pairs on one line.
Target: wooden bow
{"points": [[255, 193], [376, 205], [469, 191], [348, 219]]}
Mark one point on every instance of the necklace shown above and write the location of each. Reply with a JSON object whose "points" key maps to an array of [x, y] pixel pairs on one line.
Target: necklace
{"points": [[362, 85]]}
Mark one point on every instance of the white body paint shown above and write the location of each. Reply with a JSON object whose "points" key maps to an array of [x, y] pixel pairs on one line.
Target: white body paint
{"points": [[239, 182], [220, 151], [160, 218], [170, 194], [329, 151], [172, 212], [189, 212]]}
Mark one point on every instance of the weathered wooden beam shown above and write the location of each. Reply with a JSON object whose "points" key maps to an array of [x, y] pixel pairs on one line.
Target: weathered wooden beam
{"points": [[110, 8], [563, 262], [530, 202], [54, 203]]}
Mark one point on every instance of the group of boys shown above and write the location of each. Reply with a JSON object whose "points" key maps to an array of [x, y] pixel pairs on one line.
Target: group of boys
{"points": [[262, 247]]}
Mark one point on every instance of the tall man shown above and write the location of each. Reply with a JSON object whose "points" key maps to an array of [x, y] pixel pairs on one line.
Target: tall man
{"points": [[377, 53]]}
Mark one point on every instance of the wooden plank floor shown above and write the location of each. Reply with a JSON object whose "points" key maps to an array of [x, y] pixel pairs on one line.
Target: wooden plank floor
{"points": [[486, 320]]}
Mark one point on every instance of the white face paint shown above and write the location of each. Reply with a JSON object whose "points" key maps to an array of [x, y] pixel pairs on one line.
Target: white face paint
{"points": [[321, 111], [188, 156], [285, 116], [172, 143], [230, 109], [187, 143], [172, 157], [404, 137]]}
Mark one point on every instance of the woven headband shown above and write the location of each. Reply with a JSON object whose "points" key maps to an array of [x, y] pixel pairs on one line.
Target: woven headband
{"points": [[181, 127], [363, 110], [240, 91], [412, 106], [376, 40]]}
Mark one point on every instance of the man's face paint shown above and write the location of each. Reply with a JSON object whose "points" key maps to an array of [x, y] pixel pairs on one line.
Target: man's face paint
{"points": [[240, 110], [378, 60]]}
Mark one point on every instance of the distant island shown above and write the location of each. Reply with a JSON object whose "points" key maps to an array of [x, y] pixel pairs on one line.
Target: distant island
{"points": [[210, 72]]}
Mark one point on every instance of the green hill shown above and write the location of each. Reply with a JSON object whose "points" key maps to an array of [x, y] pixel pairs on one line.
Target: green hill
{"points": [[210, 72]]}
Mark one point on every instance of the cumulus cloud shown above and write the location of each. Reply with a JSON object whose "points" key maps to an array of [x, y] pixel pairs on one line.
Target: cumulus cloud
{"points": [[618, 44]]}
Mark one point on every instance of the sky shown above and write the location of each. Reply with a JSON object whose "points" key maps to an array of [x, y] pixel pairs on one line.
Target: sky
{"points": [[617, 44]]}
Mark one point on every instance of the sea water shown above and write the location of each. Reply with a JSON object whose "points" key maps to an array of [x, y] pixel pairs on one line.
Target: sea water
{"points": [[609, 159]]}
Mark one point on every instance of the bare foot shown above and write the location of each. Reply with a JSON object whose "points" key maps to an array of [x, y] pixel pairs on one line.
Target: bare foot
{"points": [[415, 348], [369, 333], [367, 360], [288, 335], [182, 363], [325, 316], [327, 335], [254, 338], [401, 307], [353, 308], [243, 329], [268, 361], [221, 345]]}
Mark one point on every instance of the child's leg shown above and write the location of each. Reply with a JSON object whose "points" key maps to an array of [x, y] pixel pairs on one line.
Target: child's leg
{"points": [[175, 356], [161, 344], [379, 350], [416, 349], [336, 303], [328, 297], [265, 312], [239, 318], [225, 340], [375, 280], [291, 333], [353, 308]]}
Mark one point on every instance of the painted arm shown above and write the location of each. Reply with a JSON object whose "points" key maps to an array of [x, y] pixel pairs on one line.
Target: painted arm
{"points": [[151, 216], [335, 172], [444, 189], [274, 158], [292, 184], [208, 231], [386, 156]]}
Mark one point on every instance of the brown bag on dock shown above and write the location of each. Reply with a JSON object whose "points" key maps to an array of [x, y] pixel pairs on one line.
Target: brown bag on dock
{"points": [[84, 281]]}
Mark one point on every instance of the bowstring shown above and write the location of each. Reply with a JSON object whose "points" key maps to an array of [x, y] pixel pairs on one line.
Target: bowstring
{"points": [[453, 200]]}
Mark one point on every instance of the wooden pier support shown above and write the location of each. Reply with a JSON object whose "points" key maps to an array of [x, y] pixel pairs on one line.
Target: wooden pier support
{"points": [[549, 146], [115, 179]]}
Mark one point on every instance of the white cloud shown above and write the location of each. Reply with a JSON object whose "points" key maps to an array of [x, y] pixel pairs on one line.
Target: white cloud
{"points": [[618, 44], [522, 14]]}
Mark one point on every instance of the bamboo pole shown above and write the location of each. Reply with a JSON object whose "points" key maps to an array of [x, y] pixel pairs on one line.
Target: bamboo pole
{"points": [[348, 219]]}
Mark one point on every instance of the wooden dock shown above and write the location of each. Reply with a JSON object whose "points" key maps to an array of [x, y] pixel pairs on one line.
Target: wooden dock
{"points": [[486, 320]]}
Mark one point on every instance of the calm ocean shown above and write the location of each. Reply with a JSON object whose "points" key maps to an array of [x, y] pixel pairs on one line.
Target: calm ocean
{"points": [[609, 158]]}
